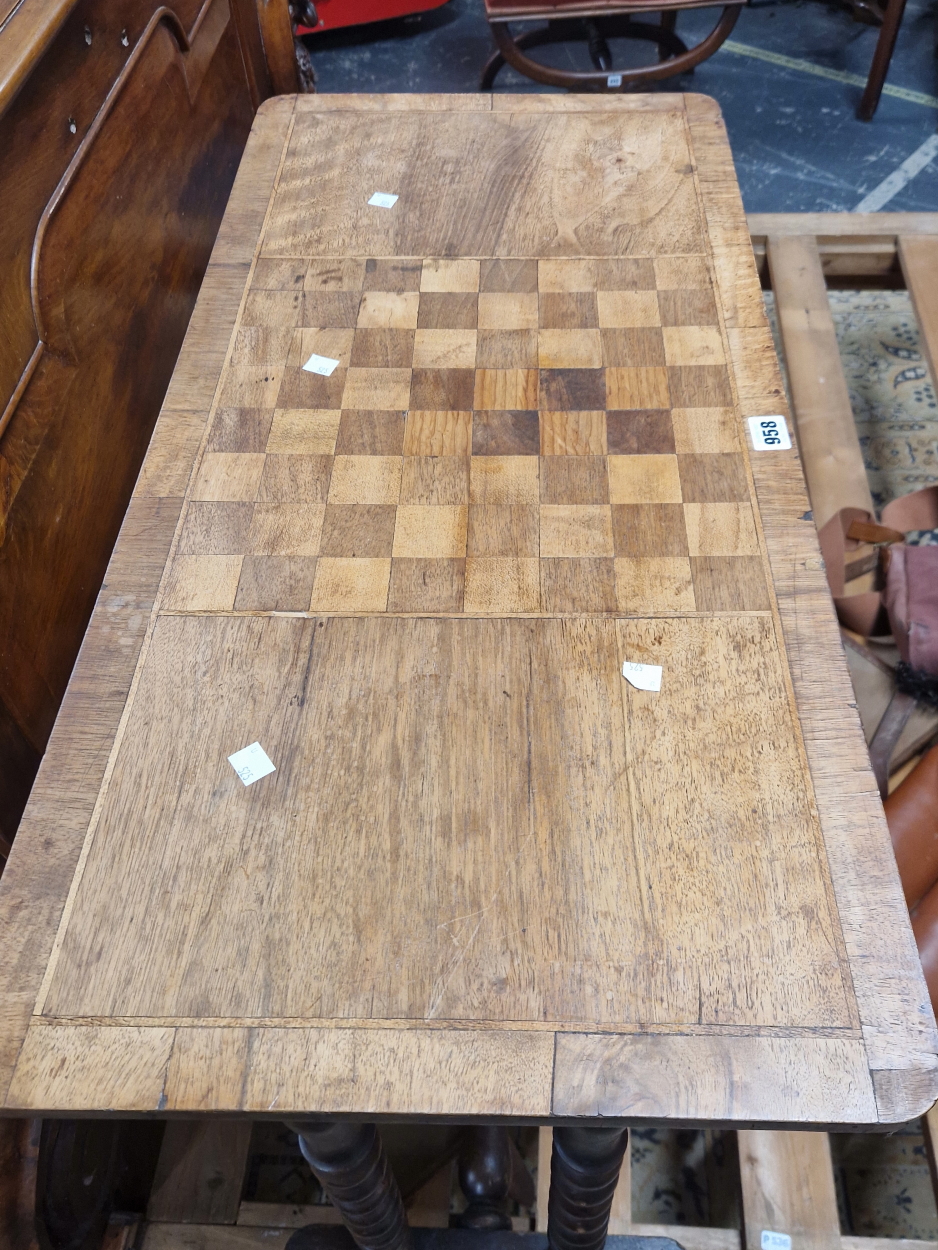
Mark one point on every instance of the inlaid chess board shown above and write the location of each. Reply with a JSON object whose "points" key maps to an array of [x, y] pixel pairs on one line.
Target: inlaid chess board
{"points": [[499, 436]]}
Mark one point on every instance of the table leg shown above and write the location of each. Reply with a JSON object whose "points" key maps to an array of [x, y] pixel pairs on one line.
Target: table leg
{"points": [[349, 1162], [485, 1178], [584, 1170]]}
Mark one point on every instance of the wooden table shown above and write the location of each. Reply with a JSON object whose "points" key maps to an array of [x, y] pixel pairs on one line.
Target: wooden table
{"points": [[489, 879]]}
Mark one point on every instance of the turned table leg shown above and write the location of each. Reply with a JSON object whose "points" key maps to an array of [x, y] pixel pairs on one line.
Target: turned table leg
{"points": [[485, 1178], [349, 1162], [584, 1171]]}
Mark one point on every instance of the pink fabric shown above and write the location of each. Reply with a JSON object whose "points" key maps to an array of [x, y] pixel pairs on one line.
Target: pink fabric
{"points": [[911, 599]]}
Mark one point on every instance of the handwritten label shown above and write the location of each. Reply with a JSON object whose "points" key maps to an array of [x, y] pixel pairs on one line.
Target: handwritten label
{"points": [[381, 199], [642, 676], [614, 80], [769, 433], [251, 763], [775, 1241], [323, 365]]}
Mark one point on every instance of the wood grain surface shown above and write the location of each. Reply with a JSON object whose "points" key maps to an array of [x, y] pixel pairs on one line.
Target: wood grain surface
{"points": [[488, 876]]}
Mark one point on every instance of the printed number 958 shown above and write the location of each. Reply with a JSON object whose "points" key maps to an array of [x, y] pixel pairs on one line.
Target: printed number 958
{"points": [[771, 435]]}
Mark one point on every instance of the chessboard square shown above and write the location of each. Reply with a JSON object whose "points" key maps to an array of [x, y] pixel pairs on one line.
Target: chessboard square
{"points": [[506, 349], [505, 389], [649, 529], [335, 275], [639, 432], [700, 386], [674, 273], [302, 389], [688, 308], [574, 479], [261, 345], [330, 343], [718, 477], [279, 275], [704, 430], [644, 479], [228, 476], [693, 345], [508, 275], [567, 310], [435, 480], [502, 584], [508, 311], [304, 431], [386, 389], [585, 585], [370, 433], [571, 530], [720, 529], [285, 529], [563, 276], [390, 310], [638, 346], [429, 533], [357, 529], [652, 585], [273, 308], [447, 311], [503, 480], [637, 388], [426, 585], [350, 585], [295, 479], [576, 390], [629, 273], [627, 309], [445, 349], [503, 530], [202, 584], [450, 275], [377, 347], [250, 386], [569, 349], [215, 529], [366, 479], [437, 433], [439, 390], [393, 275], [240, 429], [730, 584], [275, 583], [573, 433], [330, 309], [505, 433]]}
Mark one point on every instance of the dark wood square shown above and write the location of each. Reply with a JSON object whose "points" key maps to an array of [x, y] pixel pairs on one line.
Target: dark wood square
{"points": [[503, 530], [567, 310], [276, 583], [392, 275], [426, 585], [448, 310], [240, 429], [631, 273], [699, 386], [578, 585], [506, 349], [279, 275], [376, 347], [649, 529], [216, 529], [295, 479], [639, 432], [330, 310], [364, 433], [574, 479], [572, 390], [729, 584], [435, 480], [687, 308], [636, 347], [519, 276], [717, 477], [496, 433], [302, 389], [442, 390], [353, 529]]}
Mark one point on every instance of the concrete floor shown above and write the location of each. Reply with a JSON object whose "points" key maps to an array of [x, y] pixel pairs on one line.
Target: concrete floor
{"points": [[796, 140]]}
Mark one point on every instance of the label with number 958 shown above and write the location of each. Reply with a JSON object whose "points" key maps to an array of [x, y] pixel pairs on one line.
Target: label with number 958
{"points": [[769, 433]]}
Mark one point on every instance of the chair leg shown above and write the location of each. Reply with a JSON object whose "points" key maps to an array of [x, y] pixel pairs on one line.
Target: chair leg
{"points": [[668, 25], [881, 58]]}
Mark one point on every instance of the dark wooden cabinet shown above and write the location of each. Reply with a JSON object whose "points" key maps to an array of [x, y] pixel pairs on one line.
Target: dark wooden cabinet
{"points": [[121, 126]]}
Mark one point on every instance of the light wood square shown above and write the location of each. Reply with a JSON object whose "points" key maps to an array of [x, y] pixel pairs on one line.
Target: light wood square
{"points": [[335, 275], [304, 431], [503, 480], [573, 433], [644, 479], [505, 390], [654, 584], [569, 349], [637, 388], [704, 430], [501, 584], [229, 476], [430, 532], [350, 585], [450, 275], [506, 310], [261, 345], [365, 479], [693, 345], [387, 389], [720, 529], [286, 529], [576, 530], [250, 386], [395, 310], [438, 434], [675, 273], [445, 349], [333, 344], [566, 275], [626, 309], [203, 583]]}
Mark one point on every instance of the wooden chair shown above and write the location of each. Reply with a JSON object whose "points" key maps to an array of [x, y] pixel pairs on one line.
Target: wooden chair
{"points": [[891, 17], [597, 21]]}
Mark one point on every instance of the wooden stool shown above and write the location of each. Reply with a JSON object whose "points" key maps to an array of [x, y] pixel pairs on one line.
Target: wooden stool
{"points": [[596, 23]]}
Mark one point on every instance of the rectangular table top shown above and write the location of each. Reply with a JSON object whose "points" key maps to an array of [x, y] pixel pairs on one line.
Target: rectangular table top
{"points": [[489, 876]]}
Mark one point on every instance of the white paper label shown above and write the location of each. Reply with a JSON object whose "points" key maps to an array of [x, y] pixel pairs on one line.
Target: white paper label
{"points": [[775, 1241], [252, 763], [769, 434], [381, 199], [642, 676], [614, 80], [320, 364]]}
